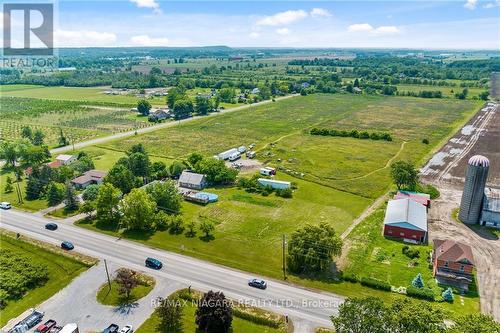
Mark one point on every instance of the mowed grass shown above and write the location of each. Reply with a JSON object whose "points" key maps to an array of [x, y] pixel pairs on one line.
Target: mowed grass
{"points": [[252, 225], [151, 325], [83, 94], [446, 91], [335, 162], [108, 296], [373, 255], [62, 270]]}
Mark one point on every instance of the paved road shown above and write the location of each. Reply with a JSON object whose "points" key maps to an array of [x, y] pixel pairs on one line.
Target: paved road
{"points": [[156, 127], [305, 305]]}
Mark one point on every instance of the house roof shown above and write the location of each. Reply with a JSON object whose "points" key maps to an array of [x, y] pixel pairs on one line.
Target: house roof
{"points": [[406, 213], [449, 250], [64, 157], [191, 178], [89, 176], [422, 198]]}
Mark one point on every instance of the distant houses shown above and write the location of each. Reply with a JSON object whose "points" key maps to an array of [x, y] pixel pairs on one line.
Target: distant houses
{"points": [[89, 178], [452, 263], [159, 114], [406, 219]]}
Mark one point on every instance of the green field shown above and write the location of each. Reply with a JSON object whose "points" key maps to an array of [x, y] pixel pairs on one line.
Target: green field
{"points": [[62, 270], [446, 91]]}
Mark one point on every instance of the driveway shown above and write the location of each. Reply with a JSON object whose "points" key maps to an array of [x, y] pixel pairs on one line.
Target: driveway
{"points": [[77, 302]]}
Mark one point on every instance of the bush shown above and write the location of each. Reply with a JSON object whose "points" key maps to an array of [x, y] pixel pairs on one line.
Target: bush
{"points": [[284, 193], [425, 141], [412, 254], [350, 277], [375, 283], [421, 293], [429, 189], [256, 319]]}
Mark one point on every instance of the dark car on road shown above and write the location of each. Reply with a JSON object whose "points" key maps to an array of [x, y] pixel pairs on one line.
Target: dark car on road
{"points": [[51, 226], [257, 283], [67, 245], [153, 263], [113, 328]]}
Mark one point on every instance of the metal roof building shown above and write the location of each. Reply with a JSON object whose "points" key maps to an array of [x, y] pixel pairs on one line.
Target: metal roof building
{"points": [[406, 219]]}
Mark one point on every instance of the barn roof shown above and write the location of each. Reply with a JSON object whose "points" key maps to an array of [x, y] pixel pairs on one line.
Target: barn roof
{"points": [[406, 213]]}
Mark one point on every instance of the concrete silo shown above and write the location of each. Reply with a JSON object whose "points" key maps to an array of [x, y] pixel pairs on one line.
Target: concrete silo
{"points": [[475, 182]]}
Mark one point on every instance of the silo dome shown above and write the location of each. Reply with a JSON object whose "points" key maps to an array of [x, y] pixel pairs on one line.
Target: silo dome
{"points": [[479, 160]]}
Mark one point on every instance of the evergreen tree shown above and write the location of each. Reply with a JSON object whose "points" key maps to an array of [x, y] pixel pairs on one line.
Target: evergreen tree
{"points": [[418, 282], [8, 185], [448, 295], [55, 194], [70, 198], [38, 138]]}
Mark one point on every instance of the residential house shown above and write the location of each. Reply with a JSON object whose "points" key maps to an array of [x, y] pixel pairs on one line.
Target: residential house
{"points": [[52, 165], [192, 180], [88, 178], [159, 114], [406, 219], [66, 159], [452, 263]]}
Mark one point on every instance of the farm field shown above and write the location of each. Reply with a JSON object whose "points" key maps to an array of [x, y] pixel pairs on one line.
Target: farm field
{"points": [[325, 160], [446, 91], [372, 255], [77, 120], [61, 271], [81, 94]]}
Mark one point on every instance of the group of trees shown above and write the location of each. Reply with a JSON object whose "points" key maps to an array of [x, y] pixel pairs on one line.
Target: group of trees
{"points": [[404, 175], [251, 185], [352, 133], [372, 315], [216, 171]]}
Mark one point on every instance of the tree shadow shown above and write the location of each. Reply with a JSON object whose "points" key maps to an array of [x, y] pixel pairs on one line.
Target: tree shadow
{"points": [[207, 238], [126, 308], [190, 234], [142, 235]]}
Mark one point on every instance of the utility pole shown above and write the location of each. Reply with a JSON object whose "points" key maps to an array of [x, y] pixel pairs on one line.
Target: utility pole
{"points": [[107, 273], [283, 249]]}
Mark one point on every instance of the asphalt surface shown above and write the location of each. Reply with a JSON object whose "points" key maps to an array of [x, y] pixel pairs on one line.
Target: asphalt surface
{"points": [[93, 142], [300, 304]]}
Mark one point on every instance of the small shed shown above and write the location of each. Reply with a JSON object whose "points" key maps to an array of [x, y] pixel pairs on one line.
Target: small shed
{"points": [[66, 159], [276, 184], [192, 180]]}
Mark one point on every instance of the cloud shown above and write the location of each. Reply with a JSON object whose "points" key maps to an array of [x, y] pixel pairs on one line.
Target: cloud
{"points": [[254, 35], [368, 28], [493, 4], [146, 3], [283, 31], [320, 12], [283, 18], [145, 40], [81, 38], [361, 27], [470, 4]]}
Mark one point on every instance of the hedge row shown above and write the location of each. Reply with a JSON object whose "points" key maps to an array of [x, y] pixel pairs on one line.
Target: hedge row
{"points": [[375, 283], [421, 293], [256, 319], [352, 133]]}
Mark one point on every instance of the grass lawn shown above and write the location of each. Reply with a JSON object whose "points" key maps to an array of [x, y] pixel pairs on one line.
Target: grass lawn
{"points": [[446, 91], [62, 213], [112, 297], [62, 270], [373, 255], [29, 205]]}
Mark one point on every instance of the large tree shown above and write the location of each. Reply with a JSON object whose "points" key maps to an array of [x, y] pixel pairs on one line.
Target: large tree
{"points": [[404, 175], [203, 105], [170, 313], [107, 203], [138, 210], [127, 280], [183, 108], [139, 164], [38, 138], [214, 313], [311, 248], [143, 107], [55, 193], [121, 177], [362, 315], [216, 171], [166, 196], [70, 199]]}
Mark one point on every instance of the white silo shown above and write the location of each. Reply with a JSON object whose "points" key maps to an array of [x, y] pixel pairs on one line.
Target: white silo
{"points": [[475, 182]]}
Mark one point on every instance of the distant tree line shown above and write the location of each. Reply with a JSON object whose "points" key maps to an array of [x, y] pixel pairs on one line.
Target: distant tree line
{"points": [[352, 133]]}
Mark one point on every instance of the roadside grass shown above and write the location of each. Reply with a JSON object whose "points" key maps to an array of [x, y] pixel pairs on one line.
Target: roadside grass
{"points": [[62, 213], [28, 205], [373, 255], [108, 296], [188, 325], [62, 270]]}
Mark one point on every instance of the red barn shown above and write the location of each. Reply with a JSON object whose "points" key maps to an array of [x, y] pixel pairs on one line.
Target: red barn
{"points": [[407, 220]]}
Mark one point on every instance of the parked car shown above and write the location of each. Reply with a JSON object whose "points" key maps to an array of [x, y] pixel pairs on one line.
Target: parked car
{"points": [[67, 245], [257, 283], [127, 329], [5, 205], [51, 226], [113, 328], [44, 328], [251, 154], [30, 321], [153, 263], [69, 328]]}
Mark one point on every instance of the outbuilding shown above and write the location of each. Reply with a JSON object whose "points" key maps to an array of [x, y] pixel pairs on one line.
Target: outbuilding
{"points": [[407, 220], [276, 184], [421, 198], [66, 159], [192, 180]]}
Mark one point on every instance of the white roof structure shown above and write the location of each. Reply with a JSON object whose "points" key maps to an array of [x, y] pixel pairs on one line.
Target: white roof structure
{"points": [[191, 178], [406, 213], [64, 157]]}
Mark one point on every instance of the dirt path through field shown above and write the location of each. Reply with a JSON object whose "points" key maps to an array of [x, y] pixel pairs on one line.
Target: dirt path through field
{"points": [[159, 126]]}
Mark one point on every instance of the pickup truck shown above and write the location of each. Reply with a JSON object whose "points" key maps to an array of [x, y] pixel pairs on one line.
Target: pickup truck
{"points": [[46, 327]]}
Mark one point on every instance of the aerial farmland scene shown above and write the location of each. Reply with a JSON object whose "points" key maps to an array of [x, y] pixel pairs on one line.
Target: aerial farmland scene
{"points": [[248, 167]]}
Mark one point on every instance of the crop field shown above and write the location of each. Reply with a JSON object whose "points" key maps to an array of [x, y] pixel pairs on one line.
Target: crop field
{"points": [[347, 164], [82, 94], [78, 121]]}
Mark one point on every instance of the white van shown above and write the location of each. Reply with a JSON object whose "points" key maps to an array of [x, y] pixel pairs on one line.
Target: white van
{"points": [[5, 205], [234, 157]]}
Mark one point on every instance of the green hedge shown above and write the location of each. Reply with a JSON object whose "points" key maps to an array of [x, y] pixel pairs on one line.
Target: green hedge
{"points": [[421, 293], [256, 319], [350, 277], [375, 283]]}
